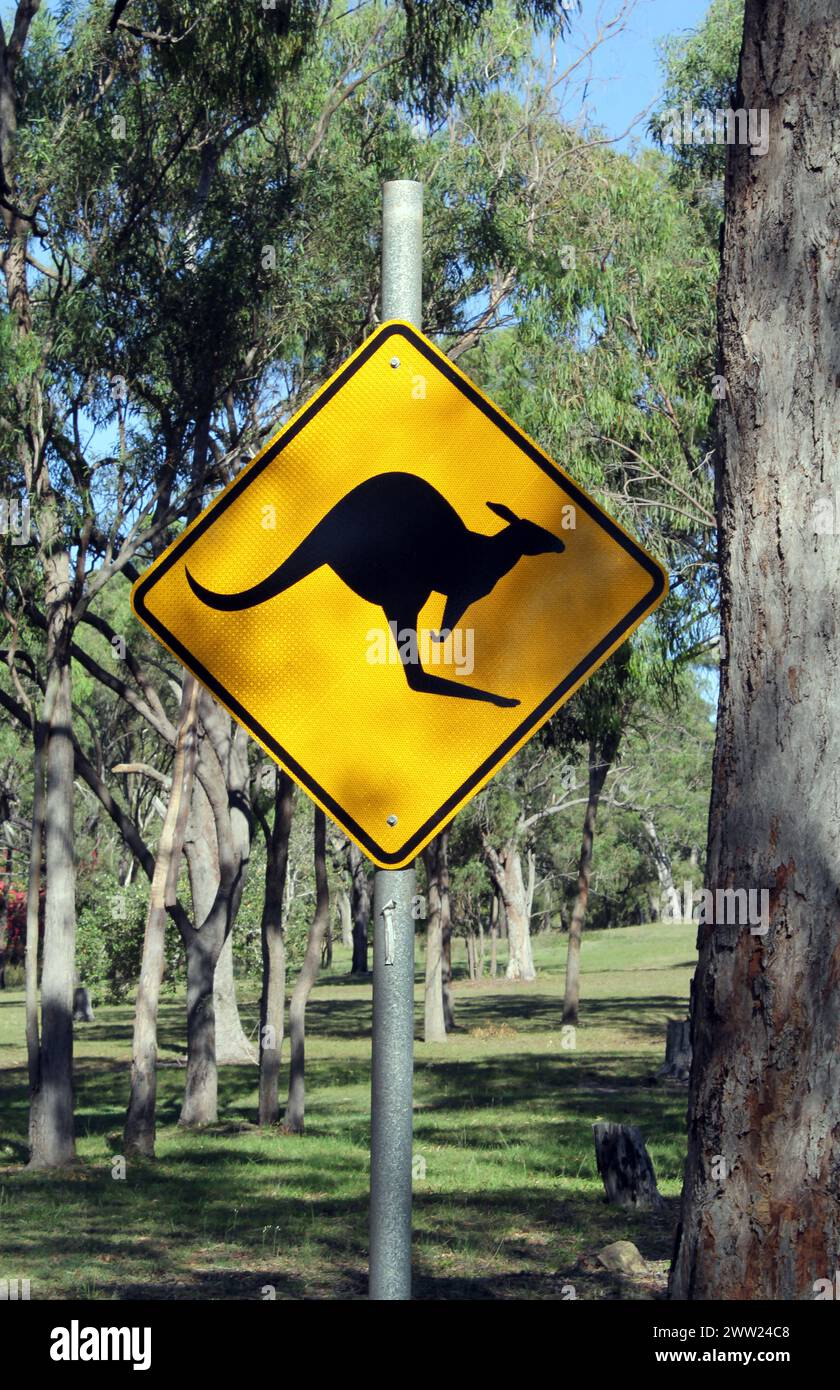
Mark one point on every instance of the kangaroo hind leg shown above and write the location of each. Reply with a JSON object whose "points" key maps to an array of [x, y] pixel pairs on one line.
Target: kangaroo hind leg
{"points": [[427, 684]]}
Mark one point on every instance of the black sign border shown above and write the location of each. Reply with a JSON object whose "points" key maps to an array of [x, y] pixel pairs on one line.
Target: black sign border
{"points": [[253, 470]]}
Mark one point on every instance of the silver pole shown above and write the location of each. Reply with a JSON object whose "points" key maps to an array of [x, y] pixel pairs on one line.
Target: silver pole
{"points": [[401, 289], [391, 1085], [394, 889]]}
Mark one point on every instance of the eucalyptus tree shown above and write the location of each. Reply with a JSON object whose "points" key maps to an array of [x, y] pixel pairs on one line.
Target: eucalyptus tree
{"points": [[248, 267], [760, 1217], [293, 1118], [610, 369], [599, 717], [438, 1019], [532, 789], [273, 944], [95, 153], [121, 150], [663, 792], [700, 71], [49, 99]]}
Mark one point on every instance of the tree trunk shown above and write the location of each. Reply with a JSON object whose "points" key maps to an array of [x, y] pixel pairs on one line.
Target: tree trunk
{"points": [[494, 935], [446, 932], [202, 854], [51, 1119], [360, 904], [517, 911], [296, 1103], [50, 1055], [224, 776], [201, 1091], [506, 868], [273, 999], [346, 919], [600, 760], [33, 900], [140, 1119], [506, 871], [434, 1024], [670, 907], [233, 1046], [760, 1211]]}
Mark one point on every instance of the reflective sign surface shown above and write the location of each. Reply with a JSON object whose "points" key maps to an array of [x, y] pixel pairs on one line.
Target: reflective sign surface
{"points": [[397, 592]]}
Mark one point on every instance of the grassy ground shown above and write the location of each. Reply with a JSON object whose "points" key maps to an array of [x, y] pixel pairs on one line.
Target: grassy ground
{"points": [[510, 1204]]}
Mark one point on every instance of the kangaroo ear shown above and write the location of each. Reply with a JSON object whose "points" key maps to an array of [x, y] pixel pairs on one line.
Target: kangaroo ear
{"points": [[504, 512]]}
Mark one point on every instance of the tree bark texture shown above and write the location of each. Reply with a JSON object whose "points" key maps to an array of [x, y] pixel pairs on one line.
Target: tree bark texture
{"points": [[761, 1202]]}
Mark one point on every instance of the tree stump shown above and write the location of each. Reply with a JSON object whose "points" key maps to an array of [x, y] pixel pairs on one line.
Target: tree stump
{"points": [[625, 1167], [82, 1010], [677, 1064]]}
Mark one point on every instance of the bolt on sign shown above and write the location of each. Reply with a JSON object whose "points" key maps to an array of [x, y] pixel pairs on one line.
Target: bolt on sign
{"points": [[397, 592]]}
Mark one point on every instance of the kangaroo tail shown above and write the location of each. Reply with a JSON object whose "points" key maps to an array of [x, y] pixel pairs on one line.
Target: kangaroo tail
{"points": [[297, 566]]}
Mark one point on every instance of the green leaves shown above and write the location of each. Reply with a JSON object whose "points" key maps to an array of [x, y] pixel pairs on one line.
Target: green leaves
{"points": [[701, 71]]}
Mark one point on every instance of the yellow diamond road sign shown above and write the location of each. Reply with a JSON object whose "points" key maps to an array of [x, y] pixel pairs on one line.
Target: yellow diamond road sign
{"points": [[397, 592]]}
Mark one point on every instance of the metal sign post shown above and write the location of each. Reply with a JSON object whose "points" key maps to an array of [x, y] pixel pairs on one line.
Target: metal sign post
{"points": [[399, 488], [392, 1064]]}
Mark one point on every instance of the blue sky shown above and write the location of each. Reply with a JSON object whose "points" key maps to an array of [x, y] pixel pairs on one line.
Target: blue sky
{"points": [[625, 71]]}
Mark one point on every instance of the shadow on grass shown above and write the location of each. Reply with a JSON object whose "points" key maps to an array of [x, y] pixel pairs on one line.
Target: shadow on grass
{"points": [[535, 1012], [503, 1123], [170, 1236]]}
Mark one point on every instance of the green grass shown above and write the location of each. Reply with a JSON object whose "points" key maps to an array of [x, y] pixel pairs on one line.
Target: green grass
{"points": [[510, 1201]]}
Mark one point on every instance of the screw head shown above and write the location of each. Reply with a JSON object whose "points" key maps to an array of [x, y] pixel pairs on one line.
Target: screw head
{"points": [[395, 361], [392, 820]]}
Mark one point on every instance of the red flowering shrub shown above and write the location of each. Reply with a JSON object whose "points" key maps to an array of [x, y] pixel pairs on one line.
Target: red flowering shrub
{"points": [[13, 921]]}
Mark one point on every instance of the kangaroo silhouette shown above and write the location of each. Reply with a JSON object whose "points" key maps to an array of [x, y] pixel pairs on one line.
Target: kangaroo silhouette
{"points": [[394, 540]]}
